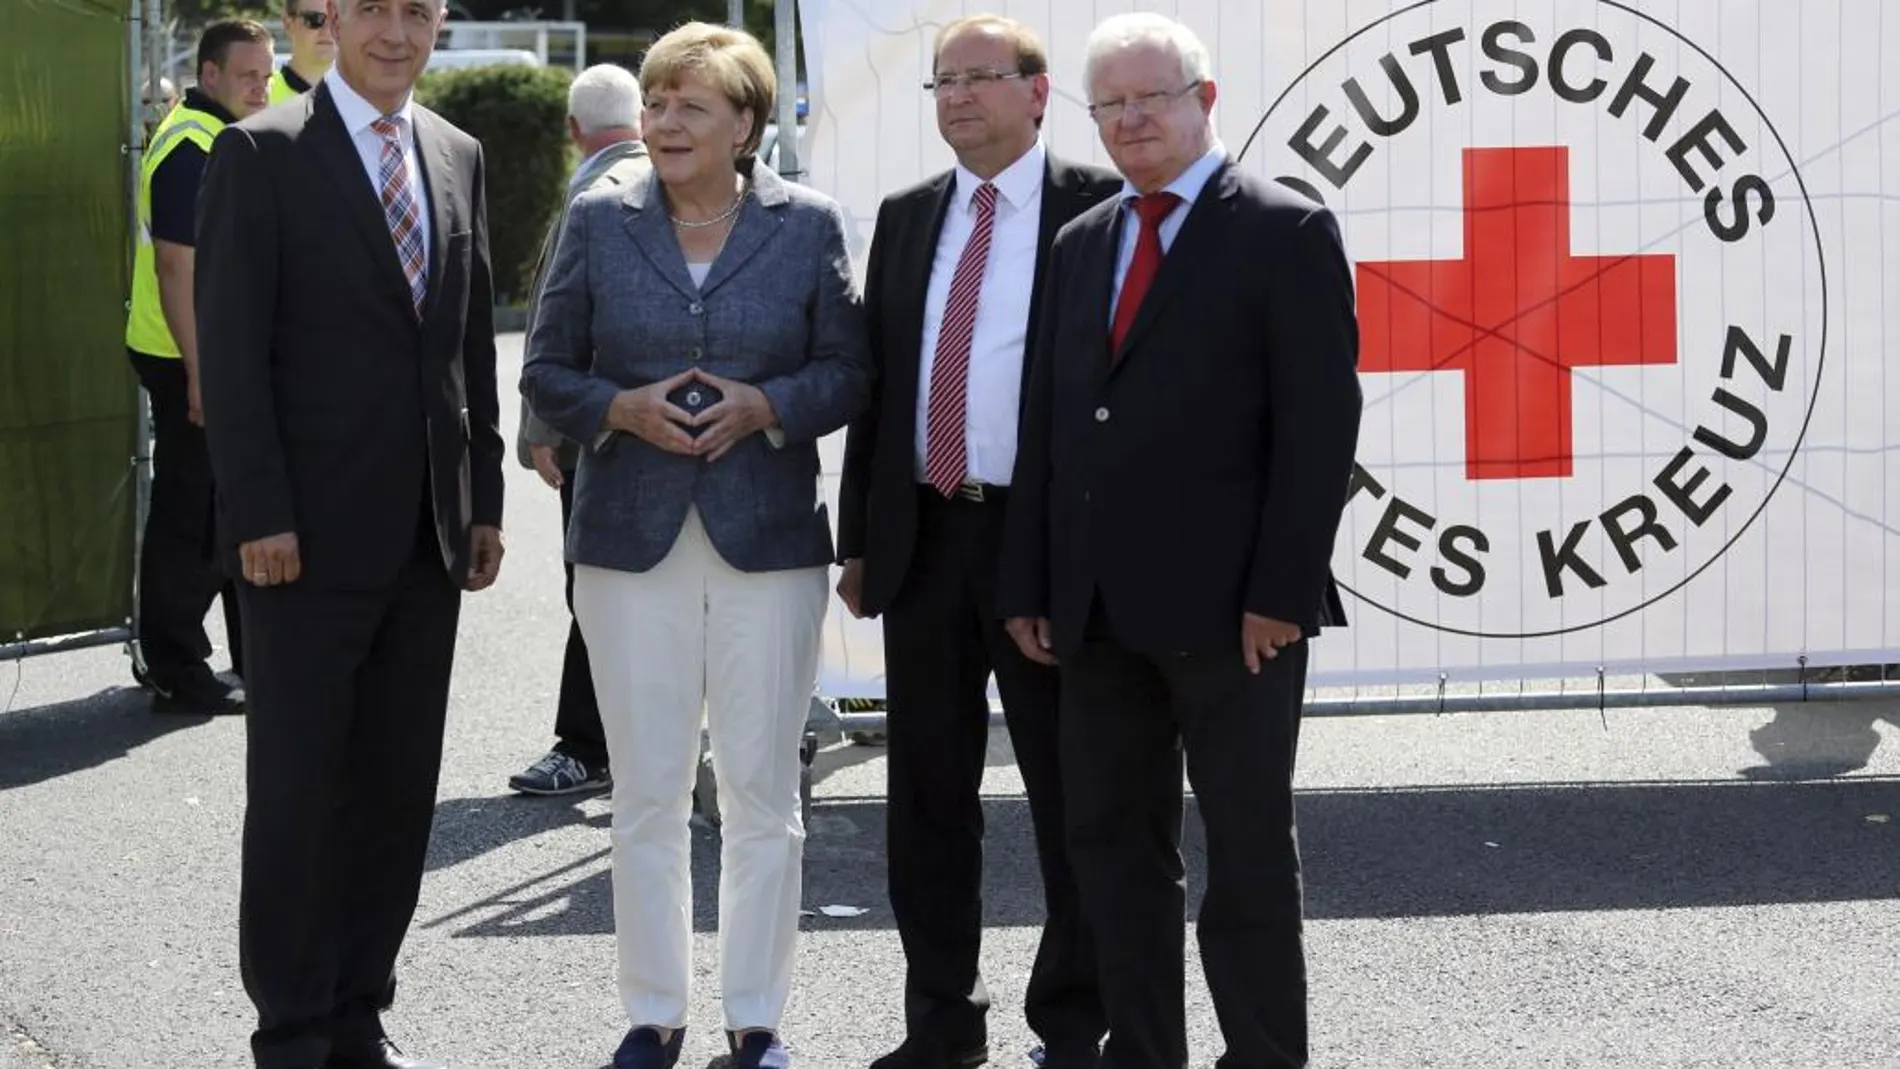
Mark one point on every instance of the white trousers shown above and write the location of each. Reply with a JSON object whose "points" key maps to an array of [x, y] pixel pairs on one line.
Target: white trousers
{"points": [[694, 640]]}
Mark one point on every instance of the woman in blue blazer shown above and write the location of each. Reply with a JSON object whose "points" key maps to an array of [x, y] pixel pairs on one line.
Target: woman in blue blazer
{"points": [[700, 331]]}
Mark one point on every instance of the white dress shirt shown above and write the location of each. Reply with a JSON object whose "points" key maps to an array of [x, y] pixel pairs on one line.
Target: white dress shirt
{"points": [[1188, 187], [1002, 314], [357, 115]]}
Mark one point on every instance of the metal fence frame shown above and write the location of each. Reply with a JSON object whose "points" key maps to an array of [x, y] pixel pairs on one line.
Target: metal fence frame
{"points": [[842, 718]]}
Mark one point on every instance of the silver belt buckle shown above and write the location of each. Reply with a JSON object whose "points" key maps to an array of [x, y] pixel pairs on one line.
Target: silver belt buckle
{"points": [[970, 491]]}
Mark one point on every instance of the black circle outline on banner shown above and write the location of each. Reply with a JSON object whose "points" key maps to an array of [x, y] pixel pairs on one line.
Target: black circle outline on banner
{"points": [[1820, 362]]}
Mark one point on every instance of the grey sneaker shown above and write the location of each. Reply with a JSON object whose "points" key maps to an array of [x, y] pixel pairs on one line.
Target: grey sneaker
{"points": [[557, 773]]}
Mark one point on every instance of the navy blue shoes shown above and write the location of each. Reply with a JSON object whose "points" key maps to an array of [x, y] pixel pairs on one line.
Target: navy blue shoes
{"points": [[642, 1049]]}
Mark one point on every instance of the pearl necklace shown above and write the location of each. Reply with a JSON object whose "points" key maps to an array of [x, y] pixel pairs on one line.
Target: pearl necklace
{"points": [[689, 224]]}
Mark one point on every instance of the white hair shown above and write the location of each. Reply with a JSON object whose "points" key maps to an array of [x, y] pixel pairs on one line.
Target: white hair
{"points": [[1147, 28], [603, 97]]}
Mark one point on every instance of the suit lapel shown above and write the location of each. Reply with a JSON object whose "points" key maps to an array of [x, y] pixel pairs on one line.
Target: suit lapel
{"points": [[1184, 258], [338, 154], [1097, 254], [917, 253], [438, 179], [1064, 196], [754, 226], [601, 164], [921, 257], [652, 233]]}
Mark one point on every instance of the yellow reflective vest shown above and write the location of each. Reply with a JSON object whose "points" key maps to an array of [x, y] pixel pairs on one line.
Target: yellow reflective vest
{"points": [[280, 87], [145, 328]]}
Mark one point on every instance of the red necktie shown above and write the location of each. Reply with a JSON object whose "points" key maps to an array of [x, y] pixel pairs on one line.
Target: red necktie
{"points": [[944, 455], [1152, 208]]}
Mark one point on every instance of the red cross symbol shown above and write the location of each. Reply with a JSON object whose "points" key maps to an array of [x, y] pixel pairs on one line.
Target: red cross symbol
{"points": [[1517, 313]]}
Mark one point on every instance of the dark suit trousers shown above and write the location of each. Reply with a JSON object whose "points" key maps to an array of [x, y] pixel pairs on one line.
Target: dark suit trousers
{"points": [[348, 694], [1126, 720], [941, 642], [179, 575], [577, 729]]}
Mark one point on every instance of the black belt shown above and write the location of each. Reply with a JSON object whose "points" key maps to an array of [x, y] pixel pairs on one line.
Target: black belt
{"points": [[970, 490]]}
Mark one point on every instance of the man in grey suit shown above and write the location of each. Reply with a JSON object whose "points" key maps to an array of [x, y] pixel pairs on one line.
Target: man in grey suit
{"points": [[603, 119]]}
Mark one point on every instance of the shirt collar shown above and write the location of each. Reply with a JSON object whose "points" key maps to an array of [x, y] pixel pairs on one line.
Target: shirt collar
{"points": [[1189, 183], [358, 113], [294, 80], [598, 153], [197, 100], [1018, 184]]}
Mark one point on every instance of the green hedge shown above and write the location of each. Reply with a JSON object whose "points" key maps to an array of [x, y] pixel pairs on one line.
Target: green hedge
{"points": [[520, 116]]}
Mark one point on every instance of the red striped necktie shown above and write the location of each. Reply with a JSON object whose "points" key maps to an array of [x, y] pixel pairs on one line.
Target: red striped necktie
{"points": [[945, 460]]}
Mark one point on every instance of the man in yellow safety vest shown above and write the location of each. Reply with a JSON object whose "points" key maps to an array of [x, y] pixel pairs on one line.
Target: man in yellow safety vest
{"points": [[312, 49], [178, 574]]}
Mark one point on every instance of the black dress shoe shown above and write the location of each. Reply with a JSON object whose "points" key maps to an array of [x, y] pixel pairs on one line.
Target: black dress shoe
{"points": [[193, 692], [920, 1053], [642, 1048], [1069, 1057], [382, 1055]]}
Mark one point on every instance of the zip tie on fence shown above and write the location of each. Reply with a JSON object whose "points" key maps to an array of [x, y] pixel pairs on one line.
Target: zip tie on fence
{"points": [[1603, 715], [19, 669], [1802, 660], [1442, 678]]}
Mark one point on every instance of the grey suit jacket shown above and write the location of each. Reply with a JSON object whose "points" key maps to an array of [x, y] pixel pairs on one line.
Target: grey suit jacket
{"points": [[780, 310], [615, 165]]}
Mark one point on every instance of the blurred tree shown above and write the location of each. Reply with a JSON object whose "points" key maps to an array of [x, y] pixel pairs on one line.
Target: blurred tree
{"points": [[199, 12]]}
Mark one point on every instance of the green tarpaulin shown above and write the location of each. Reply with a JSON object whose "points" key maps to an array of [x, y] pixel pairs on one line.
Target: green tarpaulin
{"points": [[68, 400]]}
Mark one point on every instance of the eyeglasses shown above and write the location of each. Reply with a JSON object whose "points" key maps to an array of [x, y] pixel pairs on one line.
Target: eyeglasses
{"points": [[1147, 105], [946, 82], [314, 20]]}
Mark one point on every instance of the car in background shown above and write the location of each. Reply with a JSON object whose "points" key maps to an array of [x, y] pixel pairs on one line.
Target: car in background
{"points": [[457, 58], [768, 146]]}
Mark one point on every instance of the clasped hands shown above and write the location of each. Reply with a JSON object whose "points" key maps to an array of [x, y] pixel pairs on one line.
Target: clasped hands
{"points": [[743, 409]]}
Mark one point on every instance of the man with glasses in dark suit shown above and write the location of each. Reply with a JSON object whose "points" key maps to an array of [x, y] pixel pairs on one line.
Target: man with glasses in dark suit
{"points": [[950, 296], [1186, 449]]}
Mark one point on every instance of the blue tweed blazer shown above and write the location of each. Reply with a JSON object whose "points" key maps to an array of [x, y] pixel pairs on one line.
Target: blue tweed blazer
{"points": [[780, 310]]}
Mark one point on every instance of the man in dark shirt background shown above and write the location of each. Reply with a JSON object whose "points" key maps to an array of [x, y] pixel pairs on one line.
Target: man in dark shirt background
{"points": [[178, 577]]}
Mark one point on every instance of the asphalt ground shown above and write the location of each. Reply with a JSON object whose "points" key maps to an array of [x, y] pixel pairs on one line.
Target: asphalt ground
{"points": [[1678, 886]]}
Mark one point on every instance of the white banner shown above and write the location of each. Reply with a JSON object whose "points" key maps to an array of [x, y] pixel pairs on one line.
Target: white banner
{"points": [[1623, 275]]}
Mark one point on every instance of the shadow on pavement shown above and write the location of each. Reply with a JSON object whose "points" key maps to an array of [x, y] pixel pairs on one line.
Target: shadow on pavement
{"points": [[49, 741], [1373, 854], [467, 828], [1820, 740]]}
